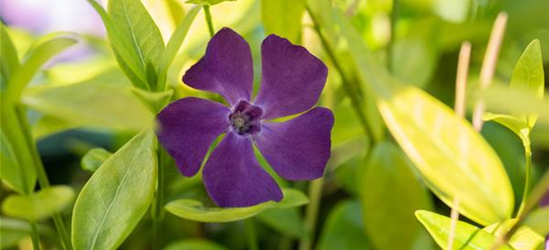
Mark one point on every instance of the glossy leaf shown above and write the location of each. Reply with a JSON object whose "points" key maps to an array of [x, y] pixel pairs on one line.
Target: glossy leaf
{"points": [[175, 42], [208, 2], [195, 244], [126, 56], [343, 229], [92, 103], [390, 194], [40, 205], [41, 52], [528, 74], [94, 158], [523, 239], [283, 18], [286, 221], [9, 60], [194, 210], [135, 23], [117, 195], [467, 237]]}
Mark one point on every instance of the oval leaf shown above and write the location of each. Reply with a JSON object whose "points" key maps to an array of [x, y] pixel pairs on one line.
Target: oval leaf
{"points": [[454, 159], [117, 195], [194, 210], [40, 205], [94, 159], [467, 237], [390, 194]]}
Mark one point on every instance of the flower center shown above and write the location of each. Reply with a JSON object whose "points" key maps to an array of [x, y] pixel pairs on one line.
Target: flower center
{"points": [[246, 118]]}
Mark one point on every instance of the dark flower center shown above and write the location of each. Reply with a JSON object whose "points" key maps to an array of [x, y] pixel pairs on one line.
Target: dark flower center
{"points": [[246, 118]]}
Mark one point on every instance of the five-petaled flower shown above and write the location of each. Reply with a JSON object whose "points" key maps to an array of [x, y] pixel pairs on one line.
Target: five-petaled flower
{"points": [[297, 149]]}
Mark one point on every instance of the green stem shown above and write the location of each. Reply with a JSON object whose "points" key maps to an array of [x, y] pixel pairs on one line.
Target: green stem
{"points": [[315, 193], [35, 236], [251, 235], [355, 100], [157, 211], [528, 177], [390, 46], [209, 20], [41, 175]]}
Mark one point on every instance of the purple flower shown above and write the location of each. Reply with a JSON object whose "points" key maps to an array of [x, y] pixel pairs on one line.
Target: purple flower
{"points": [[297, 149]]}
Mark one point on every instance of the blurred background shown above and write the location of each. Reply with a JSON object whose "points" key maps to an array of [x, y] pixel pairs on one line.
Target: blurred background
{"points": [[81, 101]]}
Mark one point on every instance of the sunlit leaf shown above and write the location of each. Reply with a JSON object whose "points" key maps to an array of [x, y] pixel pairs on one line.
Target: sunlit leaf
{"points": [[523, 239], [518, 126], [92, 103], [343, 229], [286, 221], [136, 24], [117, 195], [9, 60], [94, 158], [40, 53], [528, 74], [467, 237], [175, 42], [195, 244], [390, 194], [40, 205], [283, 18], [194, 210]]}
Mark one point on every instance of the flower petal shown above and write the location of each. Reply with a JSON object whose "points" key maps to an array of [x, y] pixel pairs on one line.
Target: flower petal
{"points": [[292, 78], [234, 178], [299, 148], [187, 129], [226, 68]]}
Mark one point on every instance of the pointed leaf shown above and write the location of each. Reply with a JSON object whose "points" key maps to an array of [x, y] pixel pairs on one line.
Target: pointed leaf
{"points": [[467, 237], [194, 210], [117, 195], [40, 205], [9, 60], [390, 194]]}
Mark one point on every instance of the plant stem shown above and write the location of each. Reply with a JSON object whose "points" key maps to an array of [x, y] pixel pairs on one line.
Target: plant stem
{"points": [[157, 210], [355, 100], [528, 177], [41, 175], [315, 193], [209, 20], [251, 234], [35, 236]]}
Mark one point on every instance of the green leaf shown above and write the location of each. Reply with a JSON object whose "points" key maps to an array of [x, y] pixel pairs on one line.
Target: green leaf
{"points": [[40, 205], [195, 244], [538, 220], [136, 24], [40, 53], [13, 231], [208, 2], [127, 58], [194, 210], [91, 103], [528, 74], [9, 59], [286, 221], [343, 229], [155, 101], [283, 18], [467, 237], [518, 126], [452, 157], [116, 196], [390, 194], [11, 172], [523, 239], [175, 42], [94, 159]]}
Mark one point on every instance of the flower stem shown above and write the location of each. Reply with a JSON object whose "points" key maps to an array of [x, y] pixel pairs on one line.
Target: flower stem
{"points": [[157, 210], [35, 236], [42, 176], [315, 193], [528, 177], [209, 20], [251, 234]]}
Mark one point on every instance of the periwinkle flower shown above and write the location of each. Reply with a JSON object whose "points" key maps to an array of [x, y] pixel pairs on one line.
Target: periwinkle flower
{"points": [[297, 149]]}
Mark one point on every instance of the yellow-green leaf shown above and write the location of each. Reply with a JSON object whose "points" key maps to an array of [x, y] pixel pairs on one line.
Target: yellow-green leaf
{"points": [[40, 205]]}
